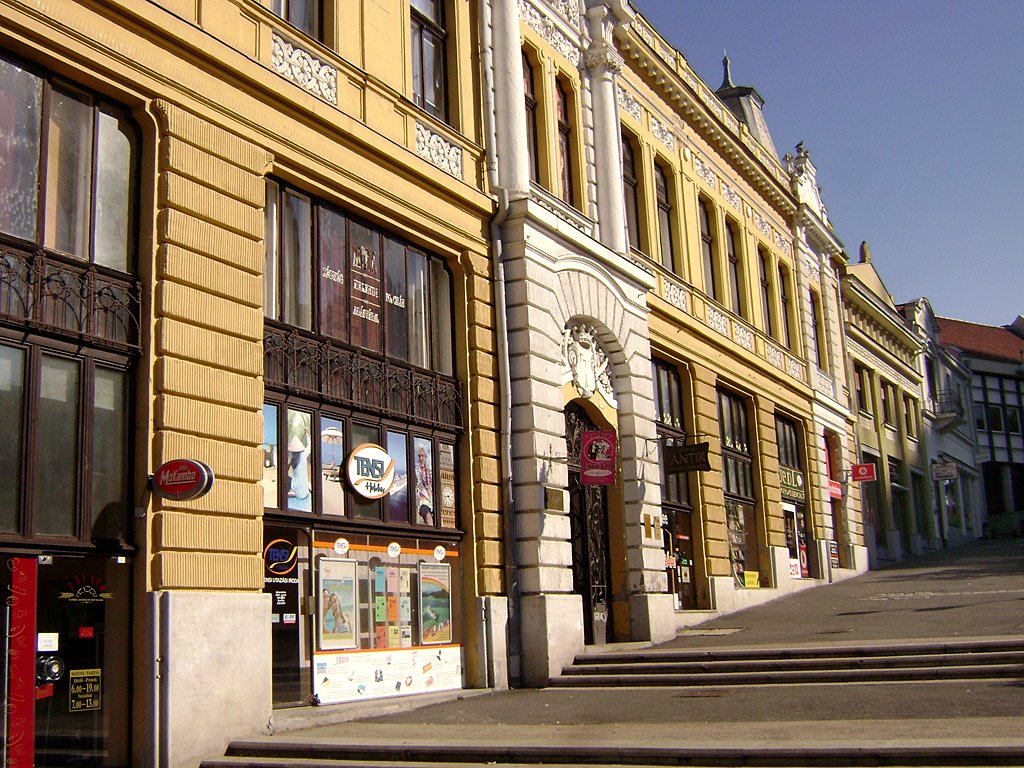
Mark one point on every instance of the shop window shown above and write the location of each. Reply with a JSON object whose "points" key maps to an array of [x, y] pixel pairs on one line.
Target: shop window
{"points": [[668, 403], [304, 15], [738, 482], [707, 250], [313, 478], [631, 193], [69, 309], [665, 235], [429, 57], [736, 287]]}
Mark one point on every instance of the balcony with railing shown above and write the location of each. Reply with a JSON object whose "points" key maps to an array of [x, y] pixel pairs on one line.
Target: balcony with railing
{"points": [[947, 409]]}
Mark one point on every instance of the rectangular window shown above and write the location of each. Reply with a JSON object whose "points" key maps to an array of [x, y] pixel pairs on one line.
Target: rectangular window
{"points": [[980, 422], [54, 478], [910, 416], [423, 463], [69, 183], [667, 242], [817, 337], [398, 499], [12, 393], [333, 263], [365, 287], [301, 14], [767, 310], [668, 403], [530, 96], [995, 418], [109, 447], [270, 456], [788, 443], [735, 270], [862, 382], [1013, 420], [707, 250], [885, 392], [785, 321], [419, 311], [429, 67], [441, 317], [631, 195], [564, 144], [300, 460], [21, 108]]}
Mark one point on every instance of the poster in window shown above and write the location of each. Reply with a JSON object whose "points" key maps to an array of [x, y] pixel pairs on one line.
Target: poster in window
{"points": [[446, 473], [398, 497], [300, 451], [435, 603], [365, 287], [333, 309], [332, 475], [337, 615], [424, 465], [269, 449]]}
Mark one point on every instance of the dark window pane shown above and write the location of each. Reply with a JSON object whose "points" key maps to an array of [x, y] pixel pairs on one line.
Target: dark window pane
{"points": [[398, 499], [332, 473], [20, 116], [297, 265], [423, 462], [57, 449], [109, 455], [333, 311], [270, 456], [396, 299], [114, 163], [69, 174], [365, 287], [300, 461], [441, 317], [419, 322], [367, 509], [272, 241], [12, 377]]}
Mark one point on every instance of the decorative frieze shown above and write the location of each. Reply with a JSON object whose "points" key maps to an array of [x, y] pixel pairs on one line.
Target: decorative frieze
{"points": [[705, 171], [436, 149], [782, 242], [546, 28], [718, 320], [774, 356], [303, 69], [675, 295], [663, 133], [762, 225], [731, 196], [743, 336], [825, 384], [629, 103], [794, 368], [567, 9]]}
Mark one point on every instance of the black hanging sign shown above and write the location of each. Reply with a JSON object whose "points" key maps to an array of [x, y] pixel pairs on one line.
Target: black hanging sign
{"points": [[686, 458]]}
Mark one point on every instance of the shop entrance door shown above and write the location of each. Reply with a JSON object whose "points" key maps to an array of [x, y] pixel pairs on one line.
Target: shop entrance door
{"points": [[66, 660], [588, 517]]}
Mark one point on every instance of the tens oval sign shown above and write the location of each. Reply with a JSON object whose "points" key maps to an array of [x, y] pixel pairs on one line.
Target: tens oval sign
{"points": [[371, 471], [182, 479]]}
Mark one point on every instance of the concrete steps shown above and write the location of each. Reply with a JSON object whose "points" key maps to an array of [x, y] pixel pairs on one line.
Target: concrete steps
{"points": [[963, 660], [323, 754]]}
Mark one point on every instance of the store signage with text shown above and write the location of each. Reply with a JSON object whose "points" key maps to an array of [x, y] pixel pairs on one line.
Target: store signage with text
{"points": [[182, 479], [792, 483], [597, 459], [862, 473], [687, 458], [371, 471]]}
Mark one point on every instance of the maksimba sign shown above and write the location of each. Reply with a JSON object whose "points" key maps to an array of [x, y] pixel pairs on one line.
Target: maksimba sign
{"points": [[687, 458]]}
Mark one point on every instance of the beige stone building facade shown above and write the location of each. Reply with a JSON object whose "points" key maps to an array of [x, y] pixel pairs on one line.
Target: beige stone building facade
{"points": [[251, 235]]}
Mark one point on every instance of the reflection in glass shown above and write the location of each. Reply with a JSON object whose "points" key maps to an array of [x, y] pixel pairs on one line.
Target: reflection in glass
{"points": [[57, 455], [269, 448], [295, 246], [441, 314], [419, 323], [333, 265], [398, 499], [332, 457], [395, 300], [423, 462], [20, 105], [12, 373], [109, 453], [69, 174], [300, 450], [113, 192]]}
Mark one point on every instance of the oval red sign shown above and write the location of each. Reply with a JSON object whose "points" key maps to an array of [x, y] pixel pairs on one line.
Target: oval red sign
{"points": [[182, 479]]}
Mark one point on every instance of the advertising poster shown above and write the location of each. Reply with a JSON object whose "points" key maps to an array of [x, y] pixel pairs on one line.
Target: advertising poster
{"points": [[435, 603], [337, 611], [342, 677], [597, 457]]}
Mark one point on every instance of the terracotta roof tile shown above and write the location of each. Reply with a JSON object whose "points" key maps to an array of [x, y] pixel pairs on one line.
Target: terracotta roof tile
{"points": [[991, 341]]}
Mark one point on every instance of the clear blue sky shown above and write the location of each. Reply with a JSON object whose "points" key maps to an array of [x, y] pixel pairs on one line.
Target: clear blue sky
{"points": [[913, 112]]}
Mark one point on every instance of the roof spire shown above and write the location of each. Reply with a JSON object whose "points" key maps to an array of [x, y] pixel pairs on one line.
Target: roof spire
{"points": [[727, 77], [865, 253]]}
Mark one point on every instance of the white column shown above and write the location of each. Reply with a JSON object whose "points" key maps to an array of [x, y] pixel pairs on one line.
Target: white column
{"points": [[509, 101]]}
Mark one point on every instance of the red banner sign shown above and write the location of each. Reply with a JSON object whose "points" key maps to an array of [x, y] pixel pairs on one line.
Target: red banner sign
{"points": [[862, 473], [182, 479], [597, 459], [21, 703], [835, 489]]}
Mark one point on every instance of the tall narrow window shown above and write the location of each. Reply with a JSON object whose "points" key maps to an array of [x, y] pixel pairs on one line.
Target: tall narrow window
{"points": [[429, 65], [738, 484], [817, 337], [630, 193], [767, 310], [707, 250], [529, 89], [735, 271], [862, 383], [564, 144], [784, 319], [661, 189], [301, 14]]}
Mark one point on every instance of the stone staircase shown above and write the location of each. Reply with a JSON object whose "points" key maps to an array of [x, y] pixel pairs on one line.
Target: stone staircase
{"points": [[789, 665]]}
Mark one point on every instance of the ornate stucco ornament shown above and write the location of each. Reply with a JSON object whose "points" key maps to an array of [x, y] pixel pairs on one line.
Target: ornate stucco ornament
{"points": [[586, 365]]}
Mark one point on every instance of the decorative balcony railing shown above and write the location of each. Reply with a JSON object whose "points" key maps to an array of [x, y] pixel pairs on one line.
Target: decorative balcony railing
{"points": [[325, 370], [948, 403]]}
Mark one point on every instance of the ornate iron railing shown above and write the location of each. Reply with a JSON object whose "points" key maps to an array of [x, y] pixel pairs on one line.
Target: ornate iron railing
{"points": [[303, 364], [947, 402], [69, 298]]}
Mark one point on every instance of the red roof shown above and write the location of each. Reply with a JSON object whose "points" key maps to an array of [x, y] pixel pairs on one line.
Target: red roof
{"points": [[991, 341]]}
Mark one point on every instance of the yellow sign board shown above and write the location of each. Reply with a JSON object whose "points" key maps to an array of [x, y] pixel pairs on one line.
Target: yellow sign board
{"points": [[751, 579]]}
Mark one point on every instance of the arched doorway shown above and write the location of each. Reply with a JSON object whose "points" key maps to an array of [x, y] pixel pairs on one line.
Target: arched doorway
{"points": [[588, 516]]}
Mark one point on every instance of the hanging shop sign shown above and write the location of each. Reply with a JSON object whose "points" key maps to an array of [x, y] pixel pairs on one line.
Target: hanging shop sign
{"points": [[791, 482], [597, 459], [835, 489], [862, 473], [182, 479], [946, 470], [687, 458], [371, 471]]}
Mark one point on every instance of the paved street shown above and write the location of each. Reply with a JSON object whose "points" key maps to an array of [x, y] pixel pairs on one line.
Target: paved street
{"points": [[973, 591]]}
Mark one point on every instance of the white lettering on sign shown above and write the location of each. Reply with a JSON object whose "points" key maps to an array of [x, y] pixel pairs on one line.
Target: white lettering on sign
{"points": [[334, 275], [180, 476], [366, 314], [391, 298], [369, 290]]}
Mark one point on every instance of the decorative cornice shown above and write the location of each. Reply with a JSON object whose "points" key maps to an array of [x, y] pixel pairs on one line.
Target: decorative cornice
{"points": [[603, 58], [545, 27], [705, 171], [663, 133], [567, 9], [731, 195], [436, 149], [303, 69], [630, 103]]}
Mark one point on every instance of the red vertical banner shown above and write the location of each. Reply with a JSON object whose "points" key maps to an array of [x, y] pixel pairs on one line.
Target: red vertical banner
{"points": [[21, 696], [597, 459]]}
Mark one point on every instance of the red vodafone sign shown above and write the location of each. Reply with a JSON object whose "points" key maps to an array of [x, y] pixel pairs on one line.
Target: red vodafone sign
{"points": [[182, 479], [861, 473]]}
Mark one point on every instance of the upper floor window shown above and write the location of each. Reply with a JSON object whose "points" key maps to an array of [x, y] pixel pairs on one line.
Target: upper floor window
{"points": [[785, 319], [328, 272], [529, 90], [301, 14], [787, 437], [564, 143], [995, 418], [910, 415], [1013, 419], [817, 337], [767, 308], [668, 403], [667, 241], [707, 250], [735, 270], [862, 386], [630, 193], [887, 393], [429, 59], [737, 458]]}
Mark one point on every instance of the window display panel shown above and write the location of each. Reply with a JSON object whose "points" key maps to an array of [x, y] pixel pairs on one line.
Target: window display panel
{"points": [[269, 447], [424, 471], [332, 460], [333, 293], [398, 499], [58, 446], [12, 367], [446, 464], [419, 323], [365, 287], [300, 462], [368, 509]]}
